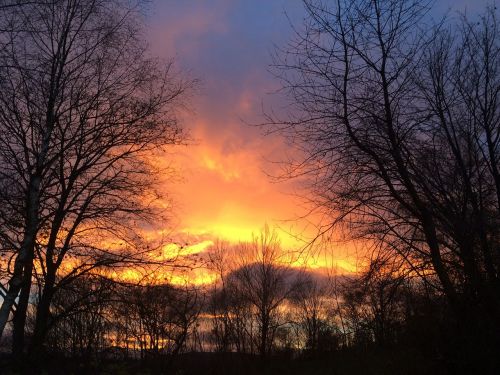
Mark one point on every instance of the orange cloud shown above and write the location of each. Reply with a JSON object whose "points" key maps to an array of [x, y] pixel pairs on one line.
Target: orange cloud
{"points": [[225, 192]]}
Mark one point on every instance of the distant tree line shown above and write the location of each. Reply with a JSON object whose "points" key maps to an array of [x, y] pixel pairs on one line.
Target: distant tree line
{"points": [[262, 305], [258, 307]]}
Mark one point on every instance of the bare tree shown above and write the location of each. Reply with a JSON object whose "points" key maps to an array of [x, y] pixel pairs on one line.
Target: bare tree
{"points": [[220, 304], [81, 105], [163, 318], [374, 303], [398, 123], [81, 318], [314, 313], [263, 280]]}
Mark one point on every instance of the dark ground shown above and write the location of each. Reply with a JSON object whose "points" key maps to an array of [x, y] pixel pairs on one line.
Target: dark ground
{"points": [[339, 363]]}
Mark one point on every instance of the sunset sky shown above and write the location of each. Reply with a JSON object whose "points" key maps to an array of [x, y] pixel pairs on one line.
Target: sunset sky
{"points": [[223, 190]]}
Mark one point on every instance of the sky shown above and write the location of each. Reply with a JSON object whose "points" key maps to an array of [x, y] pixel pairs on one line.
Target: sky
{"points": [[224, 190]]}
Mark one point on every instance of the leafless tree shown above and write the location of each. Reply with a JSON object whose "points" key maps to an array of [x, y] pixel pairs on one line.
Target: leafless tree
{"points": [[263, 280], [232, 321], [81, 106], [374, 303], [398, 122], [314, 310], [220, 303], [163, 317], [81, 318]]}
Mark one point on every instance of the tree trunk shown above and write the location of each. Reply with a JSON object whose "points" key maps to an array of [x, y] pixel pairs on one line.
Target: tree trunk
{"points": [[264, 336], [42, 316], [19, 320], [24, 259]]}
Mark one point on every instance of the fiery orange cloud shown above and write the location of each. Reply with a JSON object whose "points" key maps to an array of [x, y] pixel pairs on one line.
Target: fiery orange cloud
{"points": [[226, 194], [224, 191]]}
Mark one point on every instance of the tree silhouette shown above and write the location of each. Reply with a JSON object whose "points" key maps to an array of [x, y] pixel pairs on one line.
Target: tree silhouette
{"points": [[397, 120], [81, 105]]}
